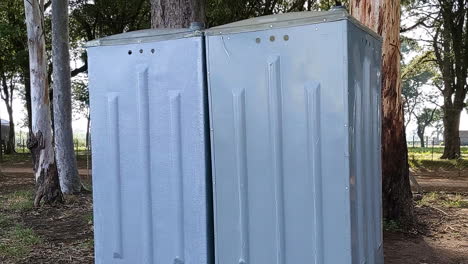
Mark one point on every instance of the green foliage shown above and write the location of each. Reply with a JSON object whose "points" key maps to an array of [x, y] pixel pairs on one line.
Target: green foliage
{"points": [[80, 97], [226, 11], [98, 18], [418, 73]]}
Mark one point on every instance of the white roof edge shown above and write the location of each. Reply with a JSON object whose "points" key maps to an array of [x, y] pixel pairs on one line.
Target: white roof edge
{"points": [[287, 20], [143, 36]]}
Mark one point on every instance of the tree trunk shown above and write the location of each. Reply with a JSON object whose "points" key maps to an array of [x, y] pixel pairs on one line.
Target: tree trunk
{"points": [[88, 117], [421, 139], [70, 182], [40, 137], [10, 146], [176, 14], [451, 120], [383, 16]]}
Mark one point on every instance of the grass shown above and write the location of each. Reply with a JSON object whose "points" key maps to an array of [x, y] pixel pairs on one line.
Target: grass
{"points": [[392, 226], [444, 200], [88, 218], [19, 200], [428, 158], [4, 222], [87, 244], [17, 241]]}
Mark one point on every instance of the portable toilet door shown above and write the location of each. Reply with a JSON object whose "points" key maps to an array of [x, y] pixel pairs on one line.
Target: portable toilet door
{"points": [[295, 120], [150, 182]]}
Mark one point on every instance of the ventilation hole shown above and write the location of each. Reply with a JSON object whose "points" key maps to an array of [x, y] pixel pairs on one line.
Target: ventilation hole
{"points": [[286, 37], [141, 51], [272, 38], [258, 40], [129, 52]]}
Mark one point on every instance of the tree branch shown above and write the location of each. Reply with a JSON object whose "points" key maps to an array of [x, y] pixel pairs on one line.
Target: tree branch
{"points": [[77, 71]]}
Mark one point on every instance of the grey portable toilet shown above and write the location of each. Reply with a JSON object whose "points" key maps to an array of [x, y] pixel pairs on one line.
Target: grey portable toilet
{"points": [[150, 166], [295, 135]]}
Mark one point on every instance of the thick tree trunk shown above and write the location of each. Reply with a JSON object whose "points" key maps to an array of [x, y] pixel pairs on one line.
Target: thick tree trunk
{"points": [[70, 182], [176, 14], [383, 16], [451, 120], [40, 138]]}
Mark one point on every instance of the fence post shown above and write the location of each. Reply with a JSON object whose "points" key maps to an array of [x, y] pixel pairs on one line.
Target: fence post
{"points": [[413, 141]]}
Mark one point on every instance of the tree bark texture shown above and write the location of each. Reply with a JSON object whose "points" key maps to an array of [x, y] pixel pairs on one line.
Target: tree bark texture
{"points": [[176, 14], [383, 16], [451, 119], [70, 182], [40, 138]]}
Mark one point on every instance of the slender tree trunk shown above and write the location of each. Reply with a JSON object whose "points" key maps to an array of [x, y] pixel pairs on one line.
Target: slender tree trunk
{"points": [[451, 120], [88, 117], [383, 16], [40, 138], [10, 146], [176, 14], [421, 139], [70, 182]]}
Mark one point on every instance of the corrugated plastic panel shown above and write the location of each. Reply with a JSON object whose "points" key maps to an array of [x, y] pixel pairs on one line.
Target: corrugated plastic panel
{"points": [[150, 176], [365, 148], [282, 120], [280, 145]]}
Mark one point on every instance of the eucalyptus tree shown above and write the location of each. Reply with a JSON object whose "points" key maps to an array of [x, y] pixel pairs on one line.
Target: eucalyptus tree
{"points": [[70, 182], [383, 16], [40, 140]]}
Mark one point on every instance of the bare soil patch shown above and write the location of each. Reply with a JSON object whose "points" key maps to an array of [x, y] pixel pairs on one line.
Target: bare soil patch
{"points": [[440, 238]]}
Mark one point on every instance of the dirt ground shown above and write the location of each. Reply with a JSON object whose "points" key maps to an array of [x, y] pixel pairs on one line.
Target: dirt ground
{"points": [[65, 232]]}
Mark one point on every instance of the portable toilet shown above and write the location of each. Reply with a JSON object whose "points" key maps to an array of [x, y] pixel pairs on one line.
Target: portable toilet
{"points": [[150, 166], [295, 137]]}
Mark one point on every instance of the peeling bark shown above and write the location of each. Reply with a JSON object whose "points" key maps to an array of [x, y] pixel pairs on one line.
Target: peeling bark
{"points": [[40, 137], [383, 16]]}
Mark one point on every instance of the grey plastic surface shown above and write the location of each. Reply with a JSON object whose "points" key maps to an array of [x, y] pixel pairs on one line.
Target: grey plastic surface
{"points": [[150, 167], [144, 36], [292, 19], [294, 117]]}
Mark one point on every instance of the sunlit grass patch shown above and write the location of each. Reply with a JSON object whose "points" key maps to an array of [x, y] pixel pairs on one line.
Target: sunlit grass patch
{"points": [[442, 199]]}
